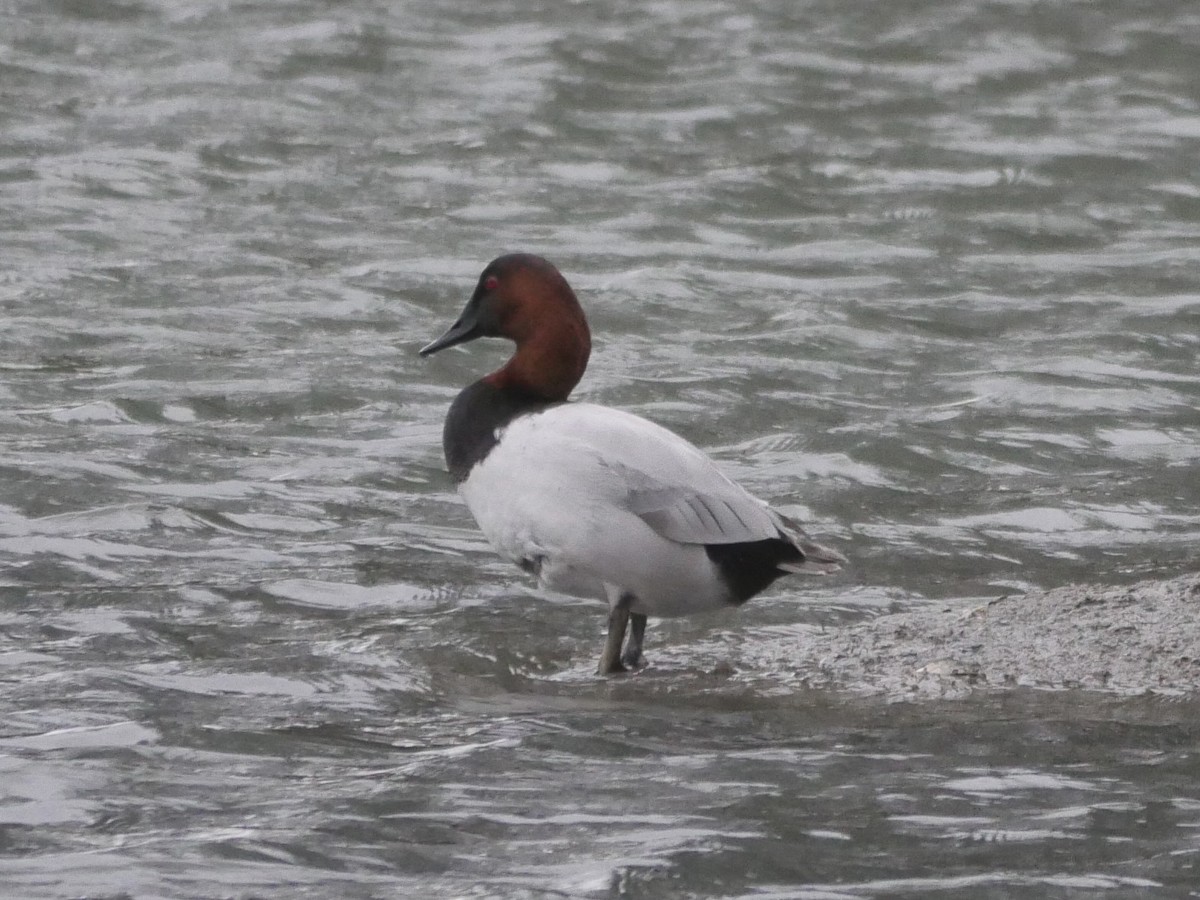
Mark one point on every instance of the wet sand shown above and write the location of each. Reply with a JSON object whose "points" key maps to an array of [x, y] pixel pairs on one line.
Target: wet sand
{"points": [[1124, 640]]}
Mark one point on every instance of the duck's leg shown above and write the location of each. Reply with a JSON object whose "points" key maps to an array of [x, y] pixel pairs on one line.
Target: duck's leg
{"points": [[633, 658], [618, 619]]}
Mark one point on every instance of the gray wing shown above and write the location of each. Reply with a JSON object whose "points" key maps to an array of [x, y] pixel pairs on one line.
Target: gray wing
{"points": [[660, 477], [693, 518], [716, 512]]}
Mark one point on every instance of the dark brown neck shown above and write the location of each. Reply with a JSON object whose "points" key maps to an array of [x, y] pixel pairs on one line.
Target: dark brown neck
{"points": [[548, 364]]}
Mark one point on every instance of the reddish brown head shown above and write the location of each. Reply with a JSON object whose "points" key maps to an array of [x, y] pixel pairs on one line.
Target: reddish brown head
{"points": [[522, 297]]}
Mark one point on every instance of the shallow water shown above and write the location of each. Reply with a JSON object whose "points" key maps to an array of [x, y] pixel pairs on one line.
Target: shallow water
{"points": [[922, 274]]}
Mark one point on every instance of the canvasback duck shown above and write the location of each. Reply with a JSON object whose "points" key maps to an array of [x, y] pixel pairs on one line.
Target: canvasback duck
{"points": [[591, 500]]}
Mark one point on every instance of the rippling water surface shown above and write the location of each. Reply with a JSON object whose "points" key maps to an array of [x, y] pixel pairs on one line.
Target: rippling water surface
{"points": [[924, 274]]}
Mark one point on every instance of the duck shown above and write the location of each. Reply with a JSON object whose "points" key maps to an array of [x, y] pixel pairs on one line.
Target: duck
{"points": [[594, 501]]}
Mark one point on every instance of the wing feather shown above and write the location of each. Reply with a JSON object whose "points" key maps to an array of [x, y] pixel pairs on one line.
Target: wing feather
{"points": [[669, 484]]}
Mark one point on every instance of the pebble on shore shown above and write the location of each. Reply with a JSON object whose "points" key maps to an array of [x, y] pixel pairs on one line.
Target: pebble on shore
{"points": [[1125, 640]]}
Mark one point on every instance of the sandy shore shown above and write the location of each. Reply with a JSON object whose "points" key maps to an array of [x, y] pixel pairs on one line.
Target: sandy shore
{"points": [[1125, 640]]}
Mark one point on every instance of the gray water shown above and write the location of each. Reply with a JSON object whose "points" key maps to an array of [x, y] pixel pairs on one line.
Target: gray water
{"points": [[924, 274]]}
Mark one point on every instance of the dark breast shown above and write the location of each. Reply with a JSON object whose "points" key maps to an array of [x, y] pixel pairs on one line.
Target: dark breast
{"points": [[474, 418]]}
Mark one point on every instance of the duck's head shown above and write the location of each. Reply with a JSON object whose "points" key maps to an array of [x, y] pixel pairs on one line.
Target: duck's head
{"points": [[524, 298]]}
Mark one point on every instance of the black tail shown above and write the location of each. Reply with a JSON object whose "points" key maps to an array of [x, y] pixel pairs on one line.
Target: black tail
{"points": [[751, 567]]}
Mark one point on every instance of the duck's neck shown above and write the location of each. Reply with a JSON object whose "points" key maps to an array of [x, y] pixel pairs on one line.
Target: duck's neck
{"points": [[547, 363]]}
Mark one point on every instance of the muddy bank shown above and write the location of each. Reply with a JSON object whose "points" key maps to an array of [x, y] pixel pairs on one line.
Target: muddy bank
{"points": [[1126, 640]]}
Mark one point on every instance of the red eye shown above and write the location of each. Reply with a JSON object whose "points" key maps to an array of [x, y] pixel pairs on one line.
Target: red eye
{"points": [[491, 283]]}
